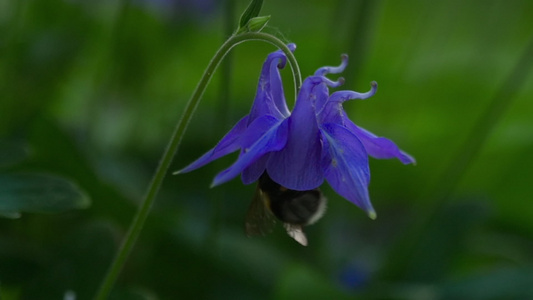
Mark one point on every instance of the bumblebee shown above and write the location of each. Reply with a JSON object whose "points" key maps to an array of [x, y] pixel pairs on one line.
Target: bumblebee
{"points": [[294, 208]]}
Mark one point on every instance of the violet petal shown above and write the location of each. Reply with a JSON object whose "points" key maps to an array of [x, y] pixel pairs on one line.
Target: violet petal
{"points": [[346, 166]]}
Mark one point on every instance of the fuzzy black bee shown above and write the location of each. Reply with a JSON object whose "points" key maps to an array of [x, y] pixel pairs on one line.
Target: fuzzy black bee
{"points": [[294, 208]]}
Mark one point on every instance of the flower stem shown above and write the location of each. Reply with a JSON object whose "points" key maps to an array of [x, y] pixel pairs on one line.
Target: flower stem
{"points": [[144, 209]]}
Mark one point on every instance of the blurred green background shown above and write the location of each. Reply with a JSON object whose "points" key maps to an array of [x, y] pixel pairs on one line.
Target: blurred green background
{"points": [[90, 91]]}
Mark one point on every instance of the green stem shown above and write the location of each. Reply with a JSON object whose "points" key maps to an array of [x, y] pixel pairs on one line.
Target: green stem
{"points": [[144, 209]]}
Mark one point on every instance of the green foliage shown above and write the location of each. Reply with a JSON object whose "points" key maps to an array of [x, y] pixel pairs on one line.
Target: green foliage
{"points": [[11, 154], [251, 12], [34, 192], [90, 91], [39, 193]]}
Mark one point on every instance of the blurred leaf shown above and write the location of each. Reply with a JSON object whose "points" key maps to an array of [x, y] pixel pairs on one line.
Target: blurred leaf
{"points": [[11, 154], [9, 293], [57, 151], [9, 215], [39, 193], [132, 294], [508, 283], [440, 243], [301, 282], [76, 263]]}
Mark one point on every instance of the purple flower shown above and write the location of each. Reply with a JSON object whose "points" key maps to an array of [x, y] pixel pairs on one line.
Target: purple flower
{"points": [[299, 150]]}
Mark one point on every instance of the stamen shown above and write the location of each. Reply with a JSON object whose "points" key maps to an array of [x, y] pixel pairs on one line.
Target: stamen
{"points": [[333, 70]]}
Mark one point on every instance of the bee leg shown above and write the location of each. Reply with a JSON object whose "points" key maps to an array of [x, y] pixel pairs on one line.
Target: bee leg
{"points": [[296, 232]]}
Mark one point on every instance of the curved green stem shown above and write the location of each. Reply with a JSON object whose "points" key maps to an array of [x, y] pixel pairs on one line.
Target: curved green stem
{"points": [[144, 209]]}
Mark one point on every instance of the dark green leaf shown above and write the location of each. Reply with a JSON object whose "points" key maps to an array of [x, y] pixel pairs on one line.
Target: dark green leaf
{"points": [[39, 193], [500, 283], [444, 239], [9, 215], [11, 153], [302, 282], [68, 268]]}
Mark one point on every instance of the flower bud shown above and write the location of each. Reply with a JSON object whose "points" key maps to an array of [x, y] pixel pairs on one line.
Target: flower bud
{"points": [[256, 24]]}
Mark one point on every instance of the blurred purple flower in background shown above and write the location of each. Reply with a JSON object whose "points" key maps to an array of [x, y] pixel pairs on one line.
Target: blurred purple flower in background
{"points": [[299, 150], [353, 276], [181, 9]]}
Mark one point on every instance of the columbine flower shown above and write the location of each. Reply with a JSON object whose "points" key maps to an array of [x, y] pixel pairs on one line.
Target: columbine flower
{"points": [[299, 150]]}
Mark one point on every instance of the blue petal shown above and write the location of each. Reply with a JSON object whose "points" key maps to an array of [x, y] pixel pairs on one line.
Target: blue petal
{"points": [[277, 87], [378, 147], [229, 143], [273, 140], [269, 98], [346, 165], [297, 166], [252, 173], [332, 111], [256, 130]]}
